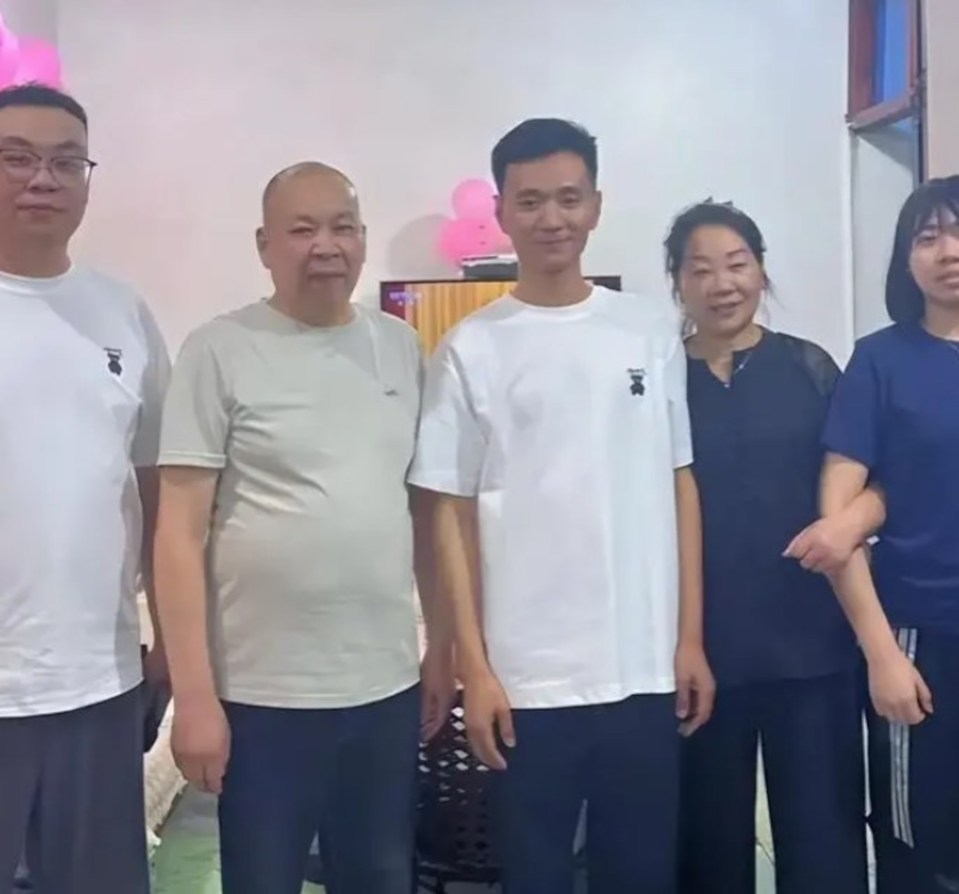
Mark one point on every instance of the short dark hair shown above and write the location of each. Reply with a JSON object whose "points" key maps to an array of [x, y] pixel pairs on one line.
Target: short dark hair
{"points": [[706, 214], [905, 302], [45, 97], [538, 138]]}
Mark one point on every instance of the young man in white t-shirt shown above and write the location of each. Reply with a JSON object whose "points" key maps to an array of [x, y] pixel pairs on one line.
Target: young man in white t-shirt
{"points": [[285, 563], [82, 375], [554, 427]]}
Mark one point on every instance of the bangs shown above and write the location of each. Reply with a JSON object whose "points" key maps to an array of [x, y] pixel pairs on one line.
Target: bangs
{"points": [[934, 203]]}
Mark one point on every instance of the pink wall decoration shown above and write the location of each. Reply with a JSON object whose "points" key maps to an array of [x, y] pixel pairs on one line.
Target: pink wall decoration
{"points": [[473, 231], [25, 60]]}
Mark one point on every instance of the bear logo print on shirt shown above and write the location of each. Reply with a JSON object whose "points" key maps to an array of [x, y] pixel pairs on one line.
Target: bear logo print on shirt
{"points": [[637, 382], [114, 356]]}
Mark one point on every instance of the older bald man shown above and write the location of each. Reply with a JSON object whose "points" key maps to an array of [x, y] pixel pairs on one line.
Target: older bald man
{"points": [[287, 434]]}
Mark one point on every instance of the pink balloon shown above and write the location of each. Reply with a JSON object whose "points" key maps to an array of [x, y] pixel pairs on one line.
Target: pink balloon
{"points": [[39, 63], [461, 239], [9, 56], [474, 200]]}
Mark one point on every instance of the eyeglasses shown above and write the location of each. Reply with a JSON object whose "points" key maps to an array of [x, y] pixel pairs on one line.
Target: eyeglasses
{"points": [[22, 165]]}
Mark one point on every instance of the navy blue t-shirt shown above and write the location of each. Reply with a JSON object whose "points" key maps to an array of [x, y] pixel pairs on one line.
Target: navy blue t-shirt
{"points": [[896, 411]]}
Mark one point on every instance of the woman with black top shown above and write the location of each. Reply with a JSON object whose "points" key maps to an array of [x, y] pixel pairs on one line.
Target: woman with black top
{"points": [[786, 666]]}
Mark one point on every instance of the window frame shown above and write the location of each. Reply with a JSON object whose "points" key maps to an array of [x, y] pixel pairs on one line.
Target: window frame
{"points": [[862, 112]]}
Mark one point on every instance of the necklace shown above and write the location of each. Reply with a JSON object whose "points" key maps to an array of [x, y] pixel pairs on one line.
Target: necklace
{"points": [[738, 368]]}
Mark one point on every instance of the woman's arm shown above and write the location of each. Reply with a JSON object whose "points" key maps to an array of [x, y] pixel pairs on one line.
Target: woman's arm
{"points": [[898, 691], [828, 543]]}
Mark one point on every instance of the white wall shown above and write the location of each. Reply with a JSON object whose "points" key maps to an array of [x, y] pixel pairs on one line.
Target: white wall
{"points": [[32, 18], [195, 103], [941, 36], [883, 175]]}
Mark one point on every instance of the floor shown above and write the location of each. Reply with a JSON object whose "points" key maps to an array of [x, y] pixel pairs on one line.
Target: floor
{"points": [[187, 860]]}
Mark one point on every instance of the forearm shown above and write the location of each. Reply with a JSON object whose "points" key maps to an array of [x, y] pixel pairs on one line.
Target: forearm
{"points": [[437, 616], [690, 535], [842, 487], [857, 595], [182, 609], [866, 514], [458, 585]]}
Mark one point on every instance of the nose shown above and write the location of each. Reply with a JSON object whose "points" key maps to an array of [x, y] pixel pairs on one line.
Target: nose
{"points": [[949, 247], [551, 218], [723, 285], [43, 178], [323, 243]]}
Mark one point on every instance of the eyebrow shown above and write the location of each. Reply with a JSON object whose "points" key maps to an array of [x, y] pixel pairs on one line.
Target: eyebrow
{"points": [[729, 255], [340, 217], [21, 143]]}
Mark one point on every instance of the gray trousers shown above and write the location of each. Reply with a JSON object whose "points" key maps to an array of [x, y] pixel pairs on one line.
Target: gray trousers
{"points": [[71, 798]]}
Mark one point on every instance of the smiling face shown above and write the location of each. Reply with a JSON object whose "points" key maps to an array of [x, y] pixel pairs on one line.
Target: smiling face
{"points": [[44, 174], [721, 282], [934, 259], [548, 207]]}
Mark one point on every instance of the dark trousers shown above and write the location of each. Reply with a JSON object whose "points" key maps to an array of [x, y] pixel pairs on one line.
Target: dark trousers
{"points": [[623, 760], [347, 774], [71, 797], [914, 779], [811, 733]]}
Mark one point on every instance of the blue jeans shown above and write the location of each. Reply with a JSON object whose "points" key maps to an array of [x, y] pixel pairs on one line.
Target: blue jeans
{"points": [[346, 774]]}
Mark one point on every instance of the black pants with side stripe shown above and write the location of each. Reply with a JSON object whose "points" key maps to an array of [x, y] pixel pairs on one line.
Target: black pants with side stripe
{"points": [[914, 779]]}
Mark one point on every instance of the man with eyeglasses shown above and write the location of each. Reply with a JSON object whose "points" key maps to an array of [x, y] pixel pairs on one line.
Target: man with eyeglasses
{"points": [[83, 370]]}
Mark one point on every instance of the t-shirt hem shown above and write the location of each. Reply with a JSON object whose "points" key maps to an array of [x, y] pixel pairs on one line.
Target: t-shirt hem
{"points": [[819, 672], [64, 705], [848, 452], [194, 460], [554, 697], [443, 484], [258, 698]]}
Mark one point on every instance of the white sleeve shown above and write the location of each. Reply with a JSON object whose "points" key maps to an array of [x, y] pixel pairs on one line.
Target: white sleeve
{"points": [[156, 379], [679, 431], [451, 447]]}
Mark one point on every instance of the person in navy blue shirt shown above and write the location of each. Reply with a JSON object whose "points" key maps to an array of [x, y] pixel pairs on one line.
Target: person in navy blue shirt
{"points": [[785, 661], [895, 421]]}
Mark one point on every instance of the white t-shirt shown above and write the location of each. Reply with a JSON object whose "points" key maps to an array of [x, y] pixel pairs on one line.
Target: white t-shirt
{"points": [[567, 425], [310, 553], [83, 369]]}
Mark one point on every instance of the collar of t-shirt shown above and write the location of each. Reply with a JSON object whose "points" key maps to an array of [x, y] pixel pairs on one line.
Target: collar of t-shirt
{"points": [[32, 285]]}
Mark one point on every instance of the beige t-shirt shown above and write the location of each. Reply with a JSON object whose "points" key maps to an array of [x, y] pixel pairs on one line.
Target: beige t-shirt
{"points": [[310, 559]]}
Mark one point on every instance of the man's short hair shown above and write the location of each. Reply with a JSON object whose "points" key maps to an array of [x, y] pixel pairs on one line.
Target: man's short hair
{"points": [[40, 95], [538, 138], [303, 167]]}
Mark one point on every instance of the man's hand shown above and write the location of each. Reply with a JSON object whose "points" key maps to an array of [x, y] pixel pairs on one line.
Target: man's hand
{"points": [[438, 685], [824, 546], [695, 688], [898, 691], [489, 720], [201, 742]]}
